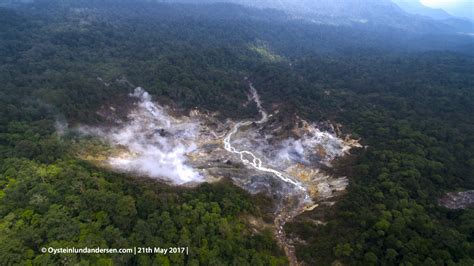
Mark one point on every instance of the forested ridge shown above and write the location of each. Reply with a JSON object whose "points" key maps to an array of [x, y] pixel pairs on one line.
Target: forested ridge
{"points": [[411, 104]]}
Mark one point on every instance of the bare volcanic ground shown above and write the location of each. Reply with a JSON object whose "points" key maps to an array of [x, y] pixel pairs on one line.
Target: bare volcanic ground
{"points": [[262, 155], [458, 200]]}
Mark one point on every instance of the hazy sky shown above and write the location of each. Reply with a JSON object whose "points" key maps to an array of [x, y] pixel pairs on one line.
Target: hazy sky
{"points": [[463, 8]]}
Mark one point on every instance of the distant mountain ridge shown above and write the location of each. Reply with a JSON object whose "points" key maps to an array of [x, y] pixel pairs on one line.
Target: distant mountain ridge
{"points": [[389, 13], [416, 7], [407, 15]]}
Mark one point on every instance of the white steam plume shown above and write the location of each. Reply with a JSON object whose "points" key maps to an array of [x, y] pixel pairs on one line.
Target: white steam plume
{"points": [[156, 143]]}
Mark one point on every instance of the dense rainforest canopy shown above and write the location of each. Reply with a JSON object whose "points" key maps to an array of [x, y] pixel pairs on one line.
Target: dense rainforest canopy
{"points": [[408, 97]]}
